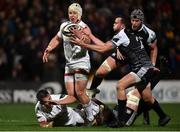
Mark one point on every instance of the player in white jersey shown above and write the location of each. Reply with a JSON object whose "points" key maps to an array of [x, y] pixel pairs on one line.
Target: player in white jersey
{"points": [[50, 114], [77, 61]]}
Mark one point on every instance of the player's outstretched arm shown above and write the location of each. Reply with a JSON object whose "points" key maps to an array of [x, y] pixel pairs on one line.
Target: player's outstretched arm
{"points": [[52, 44], [87, 34], [68, 99], [98, 48]]}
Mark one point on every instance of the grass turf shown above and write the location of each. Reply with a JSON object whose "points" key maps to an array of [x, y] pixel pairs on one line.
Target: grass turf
{"points": [[21, 117]]}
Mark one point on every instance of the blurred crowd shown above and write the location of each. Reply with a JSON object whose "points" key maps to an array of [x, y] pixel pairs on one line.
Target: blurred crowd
{"points": [[28, 25]]}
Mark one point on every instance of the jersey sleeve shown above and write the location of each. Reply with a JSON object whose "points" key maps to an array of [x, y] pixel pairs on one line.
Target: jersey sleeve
{"points": [[114, 41], [83, 25], [152, 36], [59, 34], [40, 116], [120, 39]]}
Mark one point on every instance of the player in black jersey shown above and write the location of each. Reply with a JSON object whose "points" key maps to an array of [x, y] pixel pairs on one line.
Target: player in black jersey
{"points": [[148, 38], [142, 68]]}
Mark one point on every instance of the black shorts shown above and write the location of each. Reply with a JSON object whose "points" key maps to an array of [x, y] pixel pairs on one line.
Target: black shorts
{"points": [[145, 79]]}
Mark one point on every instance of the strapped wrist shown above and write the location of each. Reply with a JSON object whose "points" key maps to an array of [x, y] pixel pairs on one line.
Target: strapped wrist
{"points": [[49, 48]]}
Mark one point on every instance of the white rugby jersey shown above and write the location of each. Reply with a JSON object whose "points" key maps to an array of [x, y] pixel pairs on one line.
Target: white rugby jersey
{"points": [[74, 54], [70, 116], [120, 39]]}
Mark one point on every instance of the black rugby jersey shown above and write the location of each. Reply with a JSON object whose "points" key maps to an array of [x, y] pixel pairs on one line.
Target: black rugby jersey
{"points": [[146, 35], [131, 47]]}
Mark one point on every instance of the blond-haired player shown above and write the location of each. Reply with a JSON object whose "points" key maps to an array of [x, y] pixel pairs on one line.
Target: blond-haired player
{"points": [[77, 62]]}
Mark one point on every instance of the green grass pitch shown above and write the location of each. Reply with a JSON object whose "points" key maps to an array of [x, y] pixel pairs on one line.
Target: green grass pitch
{"points": [[21, 117]]}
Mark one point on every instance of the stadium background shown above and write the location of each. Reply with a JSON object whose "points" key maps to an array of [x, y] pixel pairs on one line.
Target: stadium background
{"points": [[28, 25]]}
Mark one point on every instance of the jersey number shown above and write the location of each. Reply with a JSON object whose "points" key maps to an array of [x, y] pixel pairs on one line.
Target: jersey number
{"points": [[139, 40]]}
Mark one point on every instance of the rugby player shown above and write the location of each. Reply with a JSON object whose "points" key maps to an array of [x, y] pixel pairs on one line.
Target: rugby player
{"points": [[77, 61], [140, 63]]}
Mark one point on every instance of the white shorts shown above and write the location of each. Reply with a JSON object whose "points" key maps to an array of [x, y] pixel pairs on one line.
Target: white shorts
{"points": [[75, 74], [74, 117]]}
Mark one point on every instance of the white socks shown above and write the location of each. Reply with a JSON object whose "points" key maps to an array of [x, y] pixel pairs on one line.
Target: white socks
{"points": [[95, 108]]}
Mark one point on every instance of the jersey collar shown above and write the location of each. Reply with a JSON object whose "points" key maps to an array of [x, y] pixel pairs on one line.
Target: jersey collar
{"points": [[141, 28]]}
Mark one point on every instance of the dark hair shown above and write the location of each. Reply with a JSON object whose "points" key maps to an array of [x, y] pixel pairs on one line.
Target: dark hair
{"points": [[41, 94], [123, 19]]}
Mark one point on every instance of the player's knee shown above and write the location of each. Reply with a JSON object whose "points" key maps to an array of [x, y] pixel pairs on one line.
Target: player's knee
{"points": [[148, 98], [120, 86], [80, 93], [147, 95]]}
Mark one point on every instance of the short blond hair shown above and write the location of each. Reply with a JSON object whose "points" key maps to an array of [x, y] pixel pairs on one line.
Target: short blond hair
{"points": [[77, 8]]}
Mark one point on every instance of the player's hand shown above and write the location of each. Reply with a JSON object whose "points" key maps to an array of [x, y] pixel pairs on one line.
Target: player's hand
{"points": [[156, 69], [53, 102], [77, 41], [119, 55], [76, 32], [46, 55], [45, 124]]}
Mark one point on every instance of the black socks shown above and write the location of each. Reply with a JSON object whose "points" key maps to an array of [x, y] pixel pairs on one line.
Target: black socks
{"points": [[121, 110], [96, 82], [156, 107]]}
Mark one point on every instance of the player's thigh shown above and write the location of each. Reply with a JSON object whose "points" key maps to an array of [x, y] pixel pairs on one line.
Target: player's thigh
{"points": [[69, 83], [81, 81], [126, 81], [107, 66]]}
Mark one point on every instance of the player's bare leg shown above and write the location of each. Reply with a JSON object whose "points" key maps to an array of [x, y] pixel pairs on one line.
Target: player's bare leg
{"points": [[133, 98], [90, 107], [122, 84]]}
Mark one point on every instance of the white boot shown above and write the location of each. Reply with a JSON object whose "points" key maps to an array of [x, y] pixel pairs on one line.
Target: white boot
{"points": [[89, 111], [95, 108]]}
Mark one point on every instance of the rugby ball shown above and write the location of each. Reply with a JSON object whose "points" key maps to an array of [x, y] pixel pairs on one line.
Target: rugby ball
{"points": [[66, 30]]}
